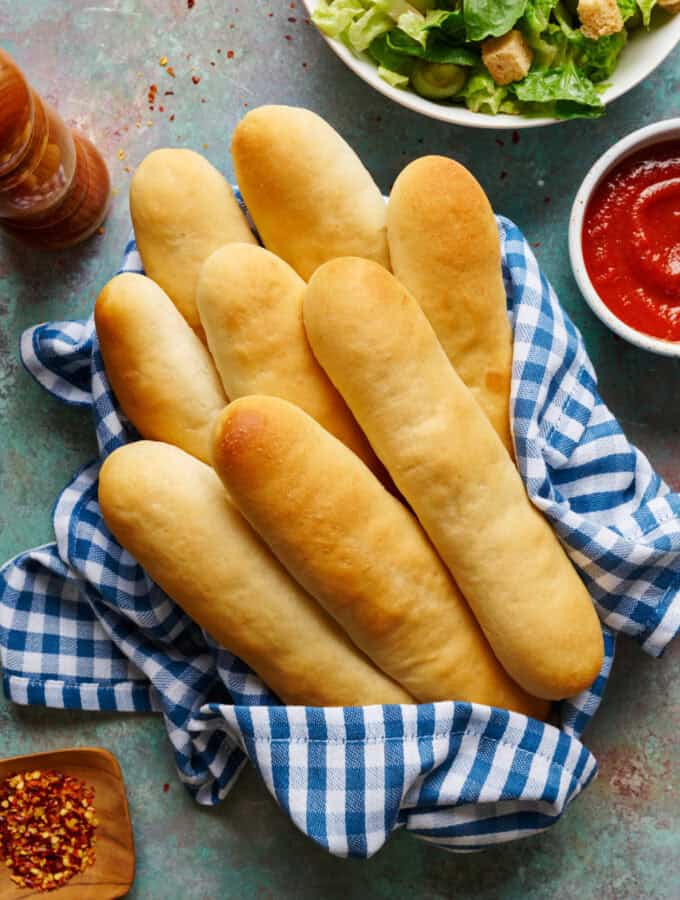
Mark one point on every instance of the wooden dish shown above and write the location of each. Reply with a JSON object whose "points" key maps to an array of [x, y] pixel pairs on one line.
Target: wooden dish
{"points": [[113, 871]]}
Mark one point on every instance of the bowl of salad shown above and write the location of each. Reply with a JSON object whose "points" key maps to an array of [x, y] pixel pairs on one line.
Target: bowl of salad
{"points": [[500, 63]]}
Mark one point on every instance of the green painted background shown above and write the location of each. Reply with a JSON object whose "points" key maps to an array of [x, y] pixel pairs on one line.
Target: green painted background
{"points": [[96, 60]]}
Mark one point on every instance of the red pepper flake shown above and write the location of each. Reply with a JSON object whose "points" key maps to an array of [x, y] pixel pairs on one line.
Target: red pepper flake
{"points": [[230, 54], [166, 788], [292, 20], [196, 79], [170, 71], [292, 4], [515, 137], [304, 65], [151, 95], [191, 4], [288, 37], [161, 109], [168, 93], [219, 49], [172, 117], [47, 828]]}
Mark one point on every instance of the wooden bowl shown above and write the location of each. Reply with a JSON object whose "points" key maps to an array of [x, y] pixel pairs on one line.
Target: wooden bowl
{"points": [[113, 871]]}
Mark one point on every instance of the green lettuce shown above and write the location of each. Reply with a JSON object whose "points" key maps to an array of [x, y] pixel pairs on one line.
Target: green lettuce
{"points": [[646, 7], [491, 18], [565, 86], [334, 18], [436, 50], [396, 79], [482, 94]]}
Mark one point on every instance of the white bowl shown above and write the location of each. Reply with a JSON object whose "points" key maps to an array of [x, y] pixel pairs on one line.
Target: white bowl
{"points": [[645, 51], [644, 137]]}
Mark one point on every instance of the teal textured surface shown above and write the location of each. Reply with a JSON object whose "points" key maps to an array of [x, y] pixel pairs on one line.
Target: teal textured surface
{"points": [[620, 839]]}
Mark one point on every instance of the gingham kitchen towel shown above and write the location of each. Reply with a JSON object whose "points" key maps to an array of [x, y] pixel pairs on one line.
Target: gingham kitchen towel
{"points": [[82, 626]]}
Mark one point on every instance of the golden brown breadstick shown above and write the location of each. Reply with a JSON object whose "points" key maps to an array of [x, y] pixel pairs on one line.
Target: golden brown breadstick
{"points": [[250, 303], [306, 189], [160, 372], [173, 515], [182, 209], [445, 250], [359, 552], [381, 353]]}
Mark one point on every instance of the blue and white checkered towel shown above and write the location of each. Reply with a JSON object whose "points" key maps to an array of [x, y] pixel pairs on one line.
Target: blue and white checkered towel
{"points": [[82, 626]]}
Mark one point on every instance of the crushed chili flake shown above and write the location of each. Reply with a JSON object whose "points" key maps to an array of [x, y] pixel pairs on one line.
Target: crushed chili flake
{"points": [[151, 95], [196, 79], [166, 788], [172, 117], [47, 828], [230, 54], [191, 4], [170, 71]]}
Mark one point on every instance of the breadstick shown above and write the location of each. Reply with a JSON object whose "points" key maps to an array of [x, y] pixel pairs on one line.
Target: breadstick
{"points": [[173, 515], [161, 373], [380, 351], [182, 209], [359, 552], [445, 250], [250, 303], [309, 194]]}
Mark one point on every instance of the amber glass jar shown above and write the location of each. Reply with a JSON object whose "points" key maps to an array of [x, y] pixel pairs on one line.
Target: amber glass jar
{"points": [[54, 185]]}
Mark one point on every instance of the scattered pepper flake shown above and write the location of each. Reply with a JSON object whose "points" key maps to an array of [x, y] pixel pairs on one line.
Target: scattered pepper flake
{"points": [[230, 54], [172, 117], [196, 79], [166, 788], [191, 4], [101, 230], [47, 827], [151, 94], [170, 71]]}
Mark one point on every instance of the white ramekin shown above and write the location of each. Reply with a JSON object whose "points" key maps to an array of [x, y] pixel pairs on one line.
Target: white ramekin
{"points": [[667, 130]]}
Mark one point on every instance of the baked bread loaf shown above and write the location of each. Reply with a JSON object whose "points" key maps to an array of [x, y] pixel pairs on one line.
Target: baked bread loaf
{"points": [[359, 552], [445, 250], [182, 209], [162, 375], [380, 351], [250, 303], [308, 192], [173, 515]]}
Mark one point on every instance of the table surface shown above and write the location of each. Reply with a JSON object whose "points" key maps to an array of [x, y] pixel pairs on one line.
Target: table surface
{"points": [[96, 62]]}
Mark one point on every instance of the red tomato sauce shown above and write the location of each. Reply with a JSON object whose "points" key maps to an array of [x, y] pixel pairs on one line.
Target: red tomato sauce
{"points": [[631, 240]]}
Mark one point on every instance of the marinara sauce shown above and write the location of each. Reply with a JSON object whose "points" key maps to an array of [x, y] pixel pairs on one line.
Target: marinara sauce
{"points": [[631, 240]]}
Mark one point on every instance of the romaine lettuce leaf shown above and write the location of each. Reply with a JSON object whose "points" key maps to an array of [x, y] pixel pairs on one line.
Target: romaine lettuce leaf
{"points": [[563, 83], [482, 94], [367, 28], [628, 8], [334, 18], [491, 18], [597, 59], [394, 78], [436, 50], [537, 15], [385, 56], [646, 7], [449, 24]]}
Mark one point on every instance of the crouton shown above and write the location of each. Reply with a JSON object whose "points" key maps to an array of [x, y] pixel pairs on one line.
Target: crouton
{"points": [[669, 6], [599, 18], [507, 58]]}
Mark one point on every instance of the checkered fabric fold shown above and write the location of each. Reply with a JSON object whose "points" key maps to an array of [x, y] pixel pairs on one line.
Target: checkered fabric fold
{"points": [[83, 626]]}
